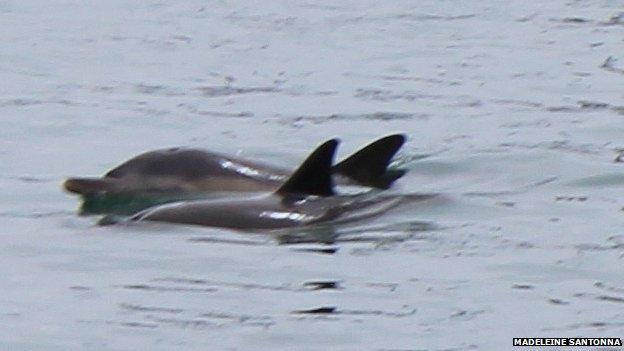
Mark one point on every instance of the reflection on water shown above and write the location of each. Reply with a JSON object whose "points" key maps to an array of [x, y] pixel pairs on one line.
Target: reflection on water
{"points": [[332, 234]]}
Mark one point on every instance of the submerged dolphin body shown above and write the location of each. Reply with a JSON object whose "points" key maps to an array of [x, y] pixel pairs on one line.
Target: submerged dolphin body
{"points": [[306, 198], [175, 174]]}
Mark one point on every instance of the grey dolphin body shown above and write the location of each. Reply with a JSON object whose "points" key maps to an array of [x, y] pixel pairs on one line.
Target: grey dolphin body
{"points": [[195, 170], [306, 198], [182, 170], [271, 211]]}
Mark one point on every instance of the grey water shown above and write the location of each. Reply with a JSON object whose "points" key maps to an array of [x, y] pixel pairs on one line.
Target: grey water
{"points": [[514, 114]]}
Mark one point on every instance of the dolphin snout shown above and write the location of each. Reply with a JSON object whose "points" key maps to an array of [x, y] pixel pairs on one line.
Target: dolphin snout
{"points": [[86, 185]]}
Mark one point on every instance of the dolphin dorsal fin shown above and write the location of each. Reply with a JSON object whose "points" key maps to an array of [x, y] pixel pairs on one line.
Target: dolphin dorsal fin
{"points": [[314, 175], [369, 166]]}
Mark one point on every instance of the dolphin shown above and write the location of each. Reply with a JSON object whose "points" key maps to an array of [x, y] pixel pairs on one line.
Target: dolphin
{"points": [[306, 198], [174, 174], [182, 169]]}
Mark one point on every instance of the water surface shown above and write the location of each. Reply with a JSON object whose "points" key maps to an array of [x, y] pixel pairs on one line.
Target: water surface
{"points": [[514, 112]]}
